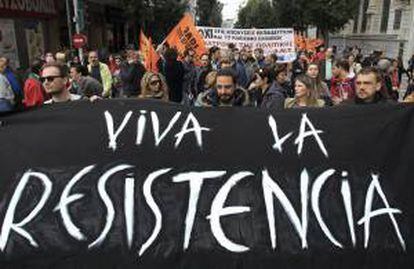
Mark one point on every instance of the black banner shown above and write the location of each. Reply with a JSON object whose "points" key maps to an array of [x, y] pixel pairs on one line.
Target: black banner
{"points": [[139, 184]]}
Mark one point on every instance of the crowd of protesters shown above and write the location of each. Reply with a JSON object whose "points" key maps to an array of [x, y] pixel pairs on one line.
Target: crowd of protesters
{"points": [[221, 77]]}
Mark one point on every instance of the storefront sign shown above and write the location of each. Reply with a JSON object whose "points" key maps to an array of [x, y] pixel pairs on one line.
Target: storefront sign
{"points": [[32, 8]]}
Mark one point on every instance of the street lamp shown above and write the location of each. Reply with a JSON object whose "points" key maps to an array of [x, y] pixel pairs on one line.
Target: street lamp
{"points": [[69, 22]]}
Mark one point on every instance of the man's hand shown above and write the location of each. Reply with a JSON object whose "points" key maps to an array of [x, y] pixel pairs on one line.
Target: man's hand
{"points": [[94, 98], [337, 100]]}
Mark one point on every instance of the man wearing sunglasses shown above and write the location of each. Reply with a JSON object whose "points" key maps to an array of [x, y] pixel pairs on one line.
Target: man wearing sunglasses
{"points": [[54, 78]]}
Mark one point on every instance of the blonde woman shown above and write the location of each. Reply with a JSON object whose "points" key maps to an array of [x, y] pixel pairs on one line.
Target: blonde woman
{"points": [[305, 94], [210, 80], [153, 86]]}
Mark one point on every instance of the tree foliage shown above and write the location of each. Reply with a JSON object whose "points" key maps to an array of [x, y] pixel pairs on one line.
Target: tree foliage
{"points": [[257, 14], [155, 17], [209, 13], [292, 13], [332, 15], [326, 15]]}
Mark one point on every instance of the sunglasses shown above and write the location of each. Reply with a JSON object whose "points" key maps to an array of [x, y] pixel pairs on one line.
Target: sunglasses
{"points": [[155, 82], [49, 79]]}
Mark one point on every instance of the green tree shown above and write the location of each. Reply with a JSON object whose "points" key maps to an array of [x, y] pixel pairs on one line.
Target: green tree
{"points": [[292, 13], [257, 14], [155, 17], [326, 15], [331, 15], [209, 13]]}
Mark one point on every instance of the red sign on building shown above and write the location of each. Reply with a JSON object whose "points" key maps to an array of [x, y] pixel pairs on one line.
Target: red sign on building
{"points": [[28, 8]]}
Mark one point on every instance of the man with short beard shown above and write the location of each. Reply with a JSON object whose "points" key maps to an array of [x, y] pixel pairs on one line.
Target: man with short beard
{"points": [[101, 73], [368, 87], [202, 72], [83, 84], [226, 92]]}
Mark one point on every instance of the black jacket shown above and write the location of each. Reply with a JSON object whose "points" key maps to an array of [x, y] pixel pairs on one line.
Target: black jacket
{"points": [[174, 74], [131, 75]]}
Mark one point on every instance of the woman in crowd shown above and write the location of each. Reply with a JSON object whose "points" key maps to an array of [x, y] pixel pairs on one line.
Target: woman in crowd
{"points": [[355, 67], [281, 81], [208, 97], [153, 86], [321, 88], [210, 81], [305, 94], [115, 68], [394, 75]]}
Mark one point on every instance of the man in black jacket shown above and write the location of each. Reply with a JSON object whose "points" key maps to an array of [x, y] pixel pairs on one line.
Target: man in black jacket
{"points": [[226, 92], [368, 86], [131, 75]]}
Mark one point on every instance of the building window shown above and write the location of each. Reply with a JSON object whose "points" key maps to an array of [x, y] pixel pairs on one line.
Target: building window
{"points": [[385, 15], [364, 17], [356, 21], [397, 19]]}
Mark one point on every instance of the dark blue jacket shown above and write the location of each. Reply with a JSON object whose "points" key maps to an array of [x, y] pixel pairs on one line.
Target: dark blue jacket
{"points": [[242, 79], [13, 82]]}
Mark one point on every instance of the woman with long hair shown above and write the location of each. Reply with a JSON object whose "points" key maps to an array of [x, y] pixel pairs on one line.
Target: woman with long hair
{"points": [[305, 94], [153, 86], [208, 97], [321, 88]]}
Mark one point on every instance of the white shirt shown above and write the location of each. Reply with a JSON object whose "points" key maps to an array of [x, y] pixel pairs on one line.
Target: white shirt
{"points": [[73, 97]]}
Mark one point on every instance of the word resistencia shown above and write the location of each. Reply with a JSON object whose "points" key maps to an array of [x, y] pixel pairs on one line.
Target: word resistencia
{"points": [[310, 195]]}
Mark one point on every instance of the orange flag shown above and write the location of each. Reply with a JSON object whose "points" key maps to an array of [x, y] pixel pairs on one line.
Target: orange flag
{"points": [[300, 42], [153, 59], [144, 46], [149, 54], [186, 36]]}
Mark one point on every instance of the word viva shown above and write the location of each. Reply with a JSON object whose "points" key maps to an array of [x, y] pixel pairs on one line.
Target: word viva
{"points": [[311, 192]]}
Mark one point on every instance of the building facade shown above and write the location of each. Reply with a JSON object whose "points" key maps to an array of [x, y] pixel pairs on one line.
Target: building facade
{"points": [[380, 25], [30, 28]]}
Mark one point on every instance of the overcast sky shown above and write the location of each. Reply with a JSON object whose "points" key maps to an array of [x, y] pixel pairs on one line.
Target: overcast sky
{"points": [[231, 7]]}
